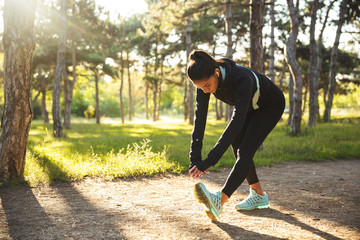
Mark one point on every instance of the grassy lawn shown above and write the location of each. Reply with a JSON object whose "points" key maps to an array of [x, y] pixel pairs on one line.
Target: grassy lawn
{"points": [[134, 149]]}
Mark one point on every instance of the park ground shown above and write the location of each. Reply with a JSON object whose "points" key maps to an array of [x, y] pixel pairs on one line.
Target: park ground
{"points": [[309, 200]]}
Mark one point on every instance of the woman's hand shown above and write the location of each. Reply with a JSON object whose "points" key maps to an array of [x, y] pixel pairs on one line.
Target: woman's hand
{"points": [[196, 173]]}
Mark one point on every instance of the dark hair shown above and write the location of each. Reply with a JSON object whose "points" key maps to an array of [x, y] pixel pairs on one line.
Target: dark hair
{"points": [[201, 65]]}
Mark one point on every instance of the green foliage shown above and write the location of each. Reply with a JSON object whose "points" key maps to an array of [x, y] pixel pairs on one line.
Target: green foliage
{"points": [[172, 100], [79, 105], [348, 96], [50, 159], [110, 106]]}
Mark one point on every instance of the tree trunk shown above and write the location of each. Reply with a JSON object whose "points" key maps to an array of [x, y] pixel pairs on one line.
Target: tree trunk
{"points": [[305, 98], [256, 25], [69, 88], [290, 56], [43, 86], [313, 89], [129, 86], [147, 101], [186, 101], [43, 105], [121, 88], [60, 66], [190, 96], [97, 108], [154, 100], [217, 103], [18, 40], [146, 93], [159, 88], [291, 99], [272, 44], [229, 52], [333, 64], [256, 46], [319, 57], [66, 100], [159, 102], [228, 28], [282, 75], [221, 109]]}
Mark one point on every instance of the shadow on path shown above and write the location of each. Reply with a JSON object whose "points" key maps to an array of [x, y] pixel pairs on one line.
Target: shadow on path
{"points": [[74, 218], [275, 214], [25, 216], [236, 232]]}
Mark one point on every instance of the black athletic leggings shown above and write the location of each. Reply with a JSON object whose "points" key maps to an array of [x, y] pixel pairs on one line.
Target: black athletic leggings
{"points": [[258, 124]]}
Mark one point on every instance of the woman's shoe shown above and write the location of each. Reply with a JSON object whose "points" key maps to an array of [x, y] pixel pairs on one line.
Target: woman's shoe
{"points": [[211, 201], [253, 201]]}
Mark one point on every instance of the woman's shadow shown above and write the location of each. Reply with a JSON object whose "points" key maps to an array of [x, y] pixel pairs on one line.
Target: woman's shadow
{"points": [[275, 214], [236, 232]]}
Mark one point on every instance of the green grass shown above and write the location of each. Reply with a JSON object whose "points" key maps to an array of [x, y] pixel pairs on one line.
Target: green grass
{"points": [[136, 149]]}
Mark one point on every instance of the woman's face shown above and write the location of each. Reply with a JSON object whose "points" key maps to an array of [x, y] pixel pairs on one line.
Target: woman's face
{"points": [[208, 85]]}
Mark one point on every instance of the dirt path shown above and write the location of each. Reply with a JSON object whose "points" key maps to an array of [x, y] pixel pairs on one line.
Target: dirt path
{"points": [[308, 201]]}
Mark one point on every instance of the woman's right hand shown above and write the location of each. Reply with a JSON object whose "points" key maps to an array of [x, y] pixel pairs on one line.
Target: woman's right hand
{"points": [[196, 173]]}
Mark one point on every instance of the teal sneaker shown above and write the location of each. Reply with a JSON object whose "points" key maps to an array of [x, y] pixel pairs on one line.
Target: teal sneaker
{"points": [[253, 201], [211, 201]]}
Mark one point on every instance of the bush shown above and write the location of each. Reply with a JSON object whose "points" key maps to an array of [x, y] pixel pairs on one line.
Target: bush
{"points": [[90, 112], [110, 106], [79, 106]]}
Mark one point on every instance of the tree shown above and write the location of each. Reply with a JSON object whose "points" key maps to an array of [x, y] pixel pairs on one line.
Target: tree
{"points": [[142, 43], [44, 59], [290, 56], [129, 30], [70, 84], [256, 46], [256, 25], [122, 109], [16, 120], [117, 34], [59, 72], [333, 65], [291, 99], [313, 88], [319, 57], [229, 48], [190, 94], [272, 44]]}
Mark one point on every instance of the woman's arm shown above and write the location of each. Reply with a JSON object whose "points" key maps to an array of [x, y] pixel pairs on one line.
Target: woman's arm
{"points": [[202, 104], [244, 92]]}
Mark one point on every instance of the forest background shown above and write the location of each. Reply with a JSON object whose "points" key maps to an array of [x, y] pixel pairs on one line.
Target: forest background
{"points": [[139, 60], [93, 63]]}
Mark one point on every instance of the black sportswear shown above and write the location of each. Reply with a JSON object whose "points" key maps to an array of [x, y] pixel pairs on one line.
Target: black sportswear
{"points": [[248, 126]]}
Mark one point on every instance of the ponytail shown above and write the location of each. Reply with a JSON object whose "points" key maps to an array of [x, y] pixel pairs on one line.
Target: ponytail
{"points": [[201, 65]]}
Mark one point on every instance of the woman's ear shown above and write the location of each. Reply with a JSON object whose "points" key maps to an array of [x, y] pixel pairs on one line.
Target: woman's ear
{"points": [[217, 71]]}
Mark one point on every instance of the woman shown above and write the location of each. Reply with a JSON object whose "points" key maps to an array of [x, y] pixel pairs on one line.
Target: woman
{"points": [[258, 105]]}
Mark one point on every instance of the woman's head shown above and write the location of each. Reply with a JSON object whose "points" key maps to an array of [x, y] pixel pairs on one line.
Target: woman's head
{"points": [[204, 71]]}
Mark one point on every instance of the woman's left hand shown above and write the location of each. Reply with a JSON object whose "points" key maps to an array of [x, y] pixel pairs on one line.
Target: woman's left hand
{"points": [[196, 173]]}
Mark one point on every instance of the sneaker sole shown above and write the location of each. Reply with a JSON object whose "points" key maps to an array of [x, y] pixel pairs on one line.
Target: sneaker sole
{"points": [[262, 206], [203, 198]]}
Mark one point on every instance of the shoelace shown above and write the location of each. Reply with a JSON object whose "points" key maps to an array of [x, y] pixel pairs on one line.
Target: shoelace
{"points": [[216, 199], [253, 199]]}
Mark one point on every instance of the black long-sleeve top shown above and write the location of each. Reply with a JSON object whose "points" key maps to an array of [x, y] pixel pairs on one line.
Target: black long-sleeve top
{"points": [[237, 88]]}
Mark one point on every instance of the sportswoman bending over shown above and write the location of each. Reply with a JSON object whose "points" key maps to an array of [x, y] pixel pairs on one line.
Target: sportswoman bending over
{"points": [[258, 105]]}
